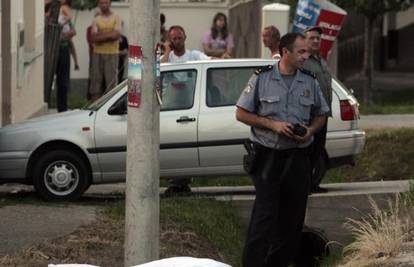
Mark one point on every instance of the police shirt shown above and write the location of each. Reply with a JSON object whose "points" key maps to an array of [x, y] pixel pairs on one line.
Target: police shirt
{"points": [[267, 95]]}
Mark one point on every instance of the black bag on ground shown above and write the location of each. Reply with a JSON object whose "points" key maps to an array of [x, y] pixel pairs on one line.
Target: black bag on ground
{"points": [[314, 247]]}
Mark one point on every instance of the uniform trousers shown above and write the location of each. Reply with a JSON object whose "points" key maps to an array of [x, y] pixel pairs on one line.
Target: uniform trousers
{"points": [[281, 180], [318, 150]]}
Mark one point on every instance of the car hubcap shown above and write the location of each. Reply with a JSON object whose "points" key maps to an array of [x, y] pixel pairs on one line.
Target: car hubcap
{"points": [[61, 178]]}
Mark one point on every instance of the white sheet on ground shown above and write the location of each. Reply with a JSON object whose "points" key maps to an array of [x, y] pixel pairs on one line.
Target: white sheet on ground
{"points": [[184, 262]]}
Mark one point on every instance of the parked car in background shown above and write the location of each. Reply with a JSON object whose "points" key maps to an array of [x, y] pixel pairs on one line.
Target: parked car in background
{"points": [[63, 154]]}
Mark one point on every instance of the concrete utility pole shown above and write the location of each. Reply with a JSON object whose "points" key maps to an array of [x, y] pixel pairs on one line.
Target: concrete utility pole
{"points": [[142, 185]]}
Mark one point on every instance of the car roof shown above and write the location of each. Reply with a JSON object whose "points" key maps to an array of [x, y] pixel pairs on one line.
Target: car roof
{"points": [[221, 61]]}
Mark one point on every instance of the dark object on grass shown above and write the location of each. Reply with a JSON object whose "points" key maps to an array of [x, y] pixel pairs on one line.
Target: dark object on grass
{"points": [[177, 190], [313, 248]]}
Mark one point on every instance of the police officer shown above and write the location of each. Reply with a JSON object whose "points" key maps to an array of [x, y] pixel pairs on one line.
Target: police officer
{"points": [[316, 64], [275, 99]]}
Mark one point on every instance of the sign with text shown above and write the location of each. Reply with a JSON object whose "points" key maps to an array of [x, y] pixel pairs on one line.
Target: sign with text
{"points": [[307, 13], [321, 13], [330, 22]]}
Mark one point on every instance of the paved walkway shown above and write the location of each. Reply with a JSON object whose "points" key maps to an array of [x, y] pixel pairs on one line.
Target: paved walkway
{"points": [[384, 81], [329, 212], [23, 226], [386, 121]]}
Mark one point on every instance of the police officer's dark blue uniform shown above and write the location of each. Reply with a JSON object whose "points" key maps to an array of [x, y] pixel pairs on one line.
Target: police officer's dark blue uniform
{"points": [[282, 174]]}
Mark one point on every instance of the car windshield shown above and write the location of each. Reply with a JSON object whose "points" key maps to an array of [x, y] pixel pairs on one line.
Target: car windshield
{"points": [[103, 99]]}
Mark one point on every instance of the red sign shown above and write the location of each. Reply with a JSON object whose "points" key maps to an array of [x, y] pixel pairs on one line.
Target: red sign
{"points": [[331, 23], [134, 76]]}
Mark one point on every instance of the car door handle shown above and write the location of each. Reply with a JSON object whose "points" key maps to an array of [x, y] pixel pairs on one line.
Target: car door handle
{"points": [[185, 118]]}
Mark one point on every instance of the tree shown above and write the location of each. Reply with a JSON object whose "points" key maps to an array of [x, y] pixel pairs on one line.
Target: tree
{"points": [[372, 10]]}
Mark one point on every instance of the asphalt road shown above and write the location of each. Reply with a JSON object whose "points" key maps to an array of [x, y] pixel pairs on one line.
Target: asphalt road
{"points": [[386, 121], [23, 226]]}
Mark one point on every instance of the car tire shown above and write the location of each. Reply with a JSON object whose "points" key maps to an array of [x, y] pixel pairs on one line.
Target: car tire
{"points": [[60, 175]]}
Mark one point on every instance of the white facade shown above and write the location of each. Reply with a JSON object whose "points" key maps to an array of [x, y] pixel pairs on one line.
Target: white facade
{"points": [[196, 18], [22, 59], [277, 15]]}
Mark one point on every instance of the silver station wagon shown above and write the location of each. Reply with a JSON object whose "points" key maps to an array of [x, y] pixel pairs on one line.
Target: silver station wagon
{"points": [[63, 154]]}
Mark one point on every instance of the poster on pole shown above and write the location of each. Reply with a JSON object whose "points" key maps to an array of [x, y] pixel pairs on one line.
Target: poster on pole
{"points": [[157, 73], [135, 69], [320, 13]]}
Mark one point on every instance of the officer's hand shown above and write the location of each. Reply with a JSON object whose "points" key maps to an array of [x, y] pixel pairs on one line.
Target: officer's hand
{"points": [[282, 127], [306, 137]]}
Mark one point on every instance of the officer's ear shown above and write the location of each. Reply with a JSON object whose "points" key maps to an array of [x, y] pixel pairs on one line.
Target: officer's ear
{"points": [[285, 50]]}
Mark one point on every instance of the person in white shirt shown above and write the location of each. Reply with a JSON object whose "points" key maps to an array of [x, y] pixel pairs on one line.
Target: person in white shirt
{"points": [[175, 51], [271, 39]]}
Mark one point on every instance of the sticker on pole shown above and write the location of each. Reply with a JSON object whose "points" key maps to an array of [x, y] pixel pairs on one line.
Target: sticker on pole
{"points": [[157, 73], [135, 69]]}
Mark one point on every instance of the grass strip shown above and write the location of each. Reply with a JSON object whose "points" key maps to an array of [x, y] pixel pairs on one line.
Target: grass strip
{"points": [[215, 221]]}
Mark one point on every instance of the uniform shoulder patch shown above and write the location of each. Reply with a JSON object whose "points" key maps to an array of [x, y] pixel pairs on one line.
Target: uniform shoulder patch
{"points": [[263, 69], [308, 72]]}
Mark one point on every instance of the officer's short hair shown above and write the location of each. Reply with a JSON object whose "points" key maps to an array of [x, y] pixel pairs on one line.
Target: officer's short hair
{"points": [[288, 40], [176, 27]]}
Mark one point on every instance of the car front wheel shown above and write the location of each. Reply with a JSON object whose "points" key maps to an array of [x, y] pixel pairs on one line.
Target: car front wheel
{"points": [[60, 175]]}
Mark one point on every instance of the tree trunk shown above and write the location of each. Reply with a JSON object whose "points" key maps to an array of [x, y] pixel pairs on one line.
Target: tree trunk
{"points": [[368, 64]]}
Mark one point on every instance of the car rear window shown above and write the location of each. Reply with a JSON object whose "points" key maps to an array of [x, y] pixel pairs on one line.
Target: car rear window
{"points": [[224, 85]]}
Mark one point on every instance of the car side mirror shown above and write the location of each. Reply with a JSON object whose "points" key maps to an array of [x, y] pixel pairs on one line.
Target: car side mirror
{"points": [[119, 108]]}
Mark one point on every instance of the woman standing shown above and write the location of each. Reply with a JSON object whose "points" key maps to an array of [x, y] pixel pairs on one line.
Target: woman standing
{"points": [[218, 42]]}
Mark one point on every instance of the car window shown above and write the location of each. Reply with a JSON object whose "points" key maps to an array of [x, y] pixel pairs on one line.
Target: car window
{"points": [[224, 85], [177, 89]]}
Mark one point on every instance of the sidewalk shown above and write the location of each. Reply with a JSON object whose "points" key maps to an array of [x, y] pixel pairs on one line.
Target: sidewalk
{"points": [[23, 225], [386, 121], [384, 81]]}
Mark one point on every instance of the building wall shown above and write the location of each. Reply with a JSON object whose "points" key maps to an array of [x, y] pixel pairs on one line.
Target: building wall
{"points": [[196, 18], [405, 31], [26, 62], [1, 69], [405, 18], [397, 32], [27, 87]]}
